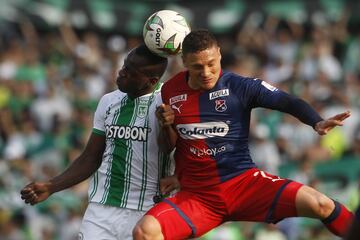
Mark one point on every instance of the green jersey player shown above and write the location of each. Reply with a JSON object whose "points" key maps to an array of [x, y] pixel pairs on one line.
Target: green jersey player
{"points": [[122, 155]]}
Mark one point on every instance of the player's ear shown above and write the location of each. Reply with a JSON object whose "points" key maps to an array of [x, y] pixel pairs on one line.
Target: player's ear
{"points": [[183, 57], [219, 52]]}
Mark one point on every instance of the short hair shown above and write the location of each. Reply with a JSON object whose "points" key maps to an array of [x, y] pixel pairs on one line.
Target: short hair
{"points": [[152, 59], [198, 40]]}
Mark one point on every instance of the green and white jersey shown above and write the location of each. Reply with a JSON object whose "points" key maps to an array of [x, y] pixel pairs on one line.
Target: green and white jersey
{"points": [[132, 163]]}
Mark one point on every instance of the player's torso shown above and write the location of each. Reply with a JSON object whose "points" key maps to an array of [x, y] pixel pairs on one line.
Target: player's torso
{"points": [[213, 132], [131, 167]]}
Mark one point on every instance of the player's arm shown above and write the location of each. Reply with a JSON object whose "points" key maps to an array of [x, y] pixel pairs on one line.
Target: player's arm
{"points": [[80, 169], [167, 136], [307, 114], [354, 231], [275, 99]]}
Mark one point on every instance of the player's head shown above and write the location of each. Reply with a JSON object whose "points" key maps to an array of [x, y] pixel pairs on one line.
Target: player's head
{"points": [[201, 56], [141, 71]]}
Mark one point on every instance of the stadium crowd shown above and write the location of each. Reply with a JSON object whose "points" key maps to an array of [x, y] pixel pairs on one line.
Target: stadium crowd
{"points": [[50, 83]]}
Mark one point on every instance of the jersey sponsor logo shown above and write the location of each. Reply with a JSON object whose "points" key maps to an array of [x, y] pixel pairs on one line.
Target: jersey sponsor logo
{"points": [[219, 93], [220, 105], [178, 98], [269, 86], [202, 130], [127, 132], [207, 151], [176, 108]]}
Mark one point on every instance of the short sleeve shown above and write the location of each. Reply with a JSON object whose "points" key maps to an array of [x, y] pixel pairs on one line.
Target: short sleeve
{"points": [[99, 117]]}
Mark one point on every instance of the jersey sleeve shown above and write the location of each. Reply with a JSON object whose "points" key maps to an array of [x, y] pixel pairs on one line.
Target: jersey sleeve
{"points": [[99, 117], [258, 93]]}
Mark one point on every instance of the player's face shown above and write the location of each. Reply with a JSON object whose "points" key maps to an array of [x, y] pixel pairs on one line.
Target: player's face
{"points": [[204, 68], [133, 79]]}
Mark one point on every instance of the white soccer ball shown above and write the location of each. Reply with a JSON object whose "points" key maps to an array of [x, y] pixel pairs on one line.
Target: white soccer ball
{"points": [[164, 32]]}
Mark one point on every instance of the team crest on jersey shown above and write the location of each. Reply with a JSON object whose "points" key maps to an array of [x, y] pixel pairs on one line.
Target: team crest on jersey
{"points": [[142, 108], [220, 105], [219, 93], [178, 98]]}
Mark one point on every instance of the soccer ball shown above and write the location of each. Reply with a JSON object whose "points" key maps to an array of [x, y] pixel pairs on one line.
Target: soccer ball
{"points": [[164, 32]]}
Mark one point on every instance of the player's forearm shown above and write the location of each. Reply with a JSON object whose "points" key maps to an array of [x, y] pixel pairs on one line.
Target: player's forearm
{"points": [[304, 112], [81, 169], [167, 139], [299, 109]]}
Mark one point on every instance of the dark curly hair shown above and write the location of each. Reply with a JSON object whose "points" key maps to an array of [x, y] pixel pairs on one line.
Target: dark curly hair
{"points": [[198, 40]]}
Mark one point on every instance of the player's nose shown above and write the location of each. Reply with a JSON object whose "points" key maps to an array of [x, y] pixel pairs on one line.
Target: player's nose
{"points": [[206, 72]]}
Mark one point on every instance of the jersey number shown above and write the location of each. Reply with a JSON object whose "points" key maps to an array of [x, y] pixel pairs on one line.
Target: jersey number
{"points": [[263, 174]]}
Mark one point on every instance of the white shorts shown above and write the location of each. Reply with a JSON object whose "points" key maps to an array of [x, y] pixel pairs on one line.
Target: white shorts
{"points": [[103, 222]]}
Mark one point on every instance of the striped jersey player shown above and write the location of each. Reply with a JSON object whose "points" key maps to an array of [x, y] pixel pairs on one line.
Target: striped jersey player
{"points": [[121, 155], [128, 176]]}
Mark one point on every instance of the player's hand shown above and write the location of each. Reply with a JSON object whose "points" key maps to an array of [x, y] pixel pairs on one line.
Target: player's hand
{"points": [[168, 184], [35, 192], [165, 114], [324, 126]]}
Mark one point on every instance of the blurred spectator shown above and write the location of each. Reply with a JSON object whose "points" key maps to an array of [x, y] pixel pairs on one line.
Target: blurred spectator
{"points": [[270, 232], [264, 151]]}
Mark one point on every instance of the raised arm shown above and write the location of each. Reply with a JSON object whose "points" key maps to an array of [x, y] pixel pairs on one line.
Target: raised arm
{"points": [[268, 96], [81, 168]]}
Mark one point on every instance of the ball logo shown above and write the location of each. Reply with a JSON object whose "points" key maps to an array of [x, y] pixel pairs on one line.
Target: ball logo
{"points": [[202, 130], [157, 36]]}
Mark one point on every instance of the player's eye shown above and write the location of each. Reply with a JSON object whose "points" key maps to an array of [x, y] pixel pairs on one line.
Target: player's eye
{"points": [[197, 67]]}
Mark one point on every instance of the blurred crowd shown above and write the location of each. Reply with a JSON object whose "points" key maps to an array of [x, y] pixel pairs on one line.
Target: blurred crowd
{"points": [[50, 83]]}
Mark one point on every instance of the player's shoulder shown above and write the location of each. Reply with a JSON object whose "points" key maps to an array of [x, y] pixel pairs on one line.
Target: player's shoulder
{"points": [[175, 80], [112, 96], [237, 77]]}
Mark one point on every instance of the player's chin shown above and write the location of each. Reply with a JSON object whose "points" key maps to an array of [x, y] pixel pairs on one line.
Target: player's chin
{"points": [[208, 85], [121, 87]]}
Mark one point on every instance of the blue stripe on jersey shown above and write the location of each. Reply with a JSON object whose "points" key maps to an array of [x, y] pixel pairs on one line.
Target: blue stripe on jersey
{"points": [[230, 152]]}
